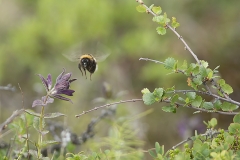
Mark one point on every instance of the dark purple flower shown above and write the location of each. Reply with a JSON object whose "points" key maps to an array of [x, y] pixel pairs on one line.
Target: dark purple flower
{"points": [[60, 88]]}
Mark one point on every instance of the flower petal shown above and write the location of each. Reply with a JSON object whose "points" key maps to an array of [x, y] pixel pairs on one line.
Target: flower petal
{"points": [[44, 82], [47, 101], [71, 80], [49, 81], [62, 98], [60, 76], [66, 77], [37, 102], [67, 92]]}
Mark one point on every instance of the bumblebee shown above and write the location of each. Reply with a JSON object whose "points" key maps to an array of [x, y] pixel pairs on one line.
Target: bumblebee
{"points": [[86, 61], [89, 63]]}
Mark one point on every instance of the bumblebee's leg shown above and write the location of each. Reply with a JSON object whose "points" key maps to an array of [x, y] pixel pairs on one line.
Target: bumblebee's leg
{"points": [[85, 72], [90, 76], [80, 68]]}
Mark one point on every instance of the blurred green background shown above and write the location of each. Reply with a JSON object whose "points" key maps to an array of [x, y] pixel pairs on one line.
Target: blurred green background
{"points": [[35, 34]]}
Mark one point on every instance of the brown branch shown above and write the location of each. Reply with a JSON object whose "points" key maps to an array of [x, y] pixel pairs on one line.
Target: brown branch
{"points": [[173, 30], [202, 109], [107, 105], [210, 94]]}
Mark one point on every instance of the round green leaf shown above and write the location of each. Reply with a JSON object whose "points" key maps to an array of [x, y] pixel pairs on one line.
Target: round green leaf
{"points": [[161, 30], [148, 98], [141, 8], [208, 105], [234, 128], [236, 118]]}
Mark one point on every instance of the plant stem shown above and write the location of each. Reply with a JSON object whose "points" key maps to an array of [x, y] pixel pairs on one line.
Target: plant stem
{"points": [[40, 138], [41, 127]]}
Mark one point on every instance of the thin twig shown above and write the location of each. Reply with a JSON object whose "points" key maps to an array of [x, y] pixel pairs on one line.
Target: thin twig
{"points": [[156, 61], [210, 94], [28, 156], [106, 105], [217, 86], [174, 31], [202, 109], [209, 133], [147, 59], [227, 98]]}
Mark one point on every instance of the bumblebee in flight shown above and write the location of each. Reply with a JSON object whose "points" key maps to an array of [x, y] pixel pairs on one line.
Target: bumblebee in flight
{"points": [[89, 63], [86, 60]]}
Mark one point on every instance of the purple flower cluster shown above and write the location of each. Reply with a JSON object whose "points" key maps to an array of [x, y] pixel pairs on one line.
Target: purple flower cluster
{"points": [[61, 87]]}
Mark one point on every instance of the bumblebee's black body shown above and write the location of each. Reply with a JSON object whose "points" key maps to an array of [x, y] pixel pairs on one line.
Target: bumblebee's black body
{"points": [[89, 63]]}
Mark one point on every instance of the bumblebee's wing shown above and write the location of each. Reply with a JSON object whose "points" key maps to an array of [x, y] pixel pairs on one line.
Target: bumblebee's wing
{"points": [[74, 53], [96, 49], [102, 52]]}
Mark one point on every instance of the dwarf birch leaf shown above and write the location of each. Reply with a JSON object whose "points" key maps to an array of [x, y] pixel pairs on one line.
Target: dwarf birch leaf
{"points": [[141, 8], [157, 10], [161, 30], [236, 118], [148, 98], [208, 105]]}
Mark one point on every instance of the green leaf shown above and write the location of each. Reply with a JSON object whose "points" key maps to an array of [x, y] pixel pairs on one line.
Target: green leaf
{"points": [[36, 123], [221, 82], [187, 100], [226, 106], [227, 89], [175, 66], [145, 90], [158, 93], [53, 115], [157, 147], [217, 104], [213, 122], [157, 10], [191, 95], [181, 99], [169, 63], [197, 101], [166, 20], [151, 7], [184, 65], [152, 153], [229, 139], [204, 63], [161, 30], [234, 129], [170, 108], [158, 19], [46, 143], [32, 113], [203, 71], [210, 74], [148, 98], [236, 118], [190, 68], [175, 24], [174, 98], [195, 70], [208, 105], [141, 8], [197, 80]]}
